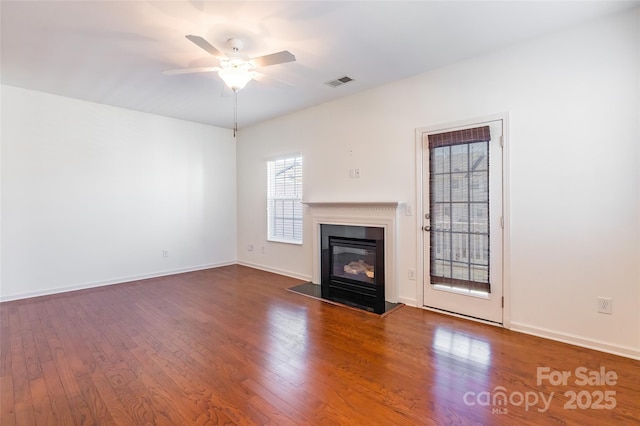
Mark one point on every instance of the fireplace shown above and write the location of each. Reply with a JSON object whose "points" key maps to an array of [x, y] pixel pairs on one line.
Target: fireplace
{"points": [[352, 265], [373, 222]]}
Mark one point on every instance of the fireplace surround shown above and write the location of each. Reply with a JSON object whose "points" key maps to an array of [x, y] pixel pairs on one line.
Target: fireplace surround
{"points": [[379, 215]]}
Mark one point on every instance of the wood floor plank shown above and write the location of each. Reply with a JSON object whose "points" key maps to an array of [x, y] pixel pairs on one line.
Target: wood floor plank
{"points": [[276, 408], [230, 345], [31, 356], [38, 332], [102, 401], [7, 403], [5, 349], [44, 414], [122, 380], [62, 368], [158, 382], [58, 398], [20, 378], [25, 414], [75, 347]]}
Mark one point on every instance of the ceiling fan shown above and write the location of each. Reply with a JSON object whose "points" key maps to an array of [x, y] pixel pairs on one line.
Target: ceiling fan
{"points": [[235, 70]]}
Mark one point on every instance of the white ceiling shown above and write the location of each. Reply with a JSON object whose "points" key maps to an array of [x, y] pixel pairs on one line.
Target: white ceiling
{"points": [[114, 52]]}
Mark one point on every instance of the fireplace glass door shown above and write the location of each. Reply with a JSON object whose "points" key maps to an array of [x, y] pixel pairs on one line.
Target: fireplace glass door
{"points": [[354, 260]]}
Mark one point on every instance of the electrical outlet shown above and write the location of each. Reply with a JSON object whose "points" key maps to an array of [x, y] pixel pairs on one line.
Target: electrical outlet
{"points": [[250, 247], [262, 250], [165, 253], [605, 305], [412, 274]]}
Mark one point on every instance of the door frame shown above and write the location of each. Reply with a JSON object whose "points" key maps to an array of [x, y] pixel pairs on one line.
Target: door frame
{"points": [[506, 207]]}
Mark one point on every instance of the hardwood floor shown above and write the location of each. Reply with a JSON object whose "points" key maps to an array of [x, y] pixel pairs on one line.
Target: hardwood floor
{"points": [[231, 345]]}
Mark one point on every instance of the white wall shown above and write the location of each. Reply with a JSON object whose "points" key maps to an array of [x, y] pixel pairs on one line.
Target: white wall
{"points": [[573, 101], [93, 194]]}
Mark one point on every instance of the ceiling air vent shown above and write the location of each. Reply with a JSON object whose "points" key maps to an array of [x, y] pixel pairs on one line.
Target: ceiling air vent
{"points": [[339, 81]]}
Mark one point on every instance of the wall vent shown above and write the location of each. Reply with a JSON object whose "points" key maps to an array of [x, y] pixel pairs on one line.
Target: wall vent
{"points": [[339, 81]]}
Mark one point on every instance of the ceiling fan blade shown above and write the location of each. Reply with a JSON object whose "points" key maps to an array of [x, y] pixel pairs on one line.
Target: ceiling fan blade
{"points": [[274, 59], [204, 44], [190, 70]]}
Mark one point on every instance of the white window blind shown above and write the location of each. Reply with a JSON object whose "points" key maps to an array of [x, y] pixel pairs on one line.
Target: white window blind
{"points": [[284, 199]]}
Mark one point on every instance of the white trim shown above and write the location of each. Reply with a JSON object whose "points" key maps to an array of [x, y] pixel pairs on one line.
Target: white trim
{"points": [[572, 339], [506, 217], [354, 204], [284, 272], [409, 302], [295, 242], [282, 156], [456, 125], [374, 214], [419, 210], [506, 202], [113, 281]]}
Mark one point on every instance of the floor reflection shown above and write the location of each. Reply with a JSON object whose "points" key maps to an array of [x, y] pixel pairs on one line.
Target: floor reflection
{"points": [[462, 347], [461, 363], [286, 329]]}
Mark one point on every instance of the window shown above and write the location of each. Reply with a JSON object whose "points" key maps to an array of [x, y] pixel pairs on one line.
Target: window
{"points": [[284, 200]]}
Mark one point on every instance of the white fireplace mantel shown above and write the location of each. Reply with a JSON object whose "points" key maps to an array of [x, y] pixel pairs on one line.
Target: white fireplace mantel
{"points": [[383, 214], [353, 204]]}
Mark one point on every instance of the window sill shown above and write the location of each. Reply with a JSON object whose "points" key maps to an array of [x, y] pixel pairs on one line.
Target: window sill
{"points": [[275, 240]]}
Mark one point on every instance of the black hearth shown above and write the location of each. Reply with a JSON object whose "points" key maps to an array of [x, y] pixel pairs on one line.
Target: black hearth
{"points": [[352, 265]]}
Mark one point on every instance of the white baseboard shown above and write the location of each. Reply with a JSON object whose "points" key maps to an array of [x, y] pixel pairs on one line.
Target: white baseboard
{"points": [[571, 339], [119, 280], [408, 302], [276, 270]]}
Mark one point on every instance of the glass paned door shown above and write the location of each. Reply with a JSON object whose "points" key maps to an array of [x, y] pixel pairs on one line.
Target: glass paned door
{"points": [[462, 232], [459, 211]]}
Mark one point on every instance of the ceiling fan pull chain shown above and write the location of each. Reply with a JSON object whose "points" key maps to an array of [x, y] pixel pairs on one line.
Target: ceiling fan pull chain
{"points": [[235, 113]]}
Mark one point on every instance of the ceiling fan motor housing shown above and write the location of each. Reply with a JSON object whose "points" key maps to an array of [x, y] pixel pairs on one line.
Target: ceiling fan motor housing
{"points": [[235, 44]]}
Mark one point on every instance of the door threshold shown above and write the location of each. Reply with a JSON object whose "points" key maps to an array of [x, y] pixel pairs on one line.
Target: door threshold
{"points": [[467, 317]]}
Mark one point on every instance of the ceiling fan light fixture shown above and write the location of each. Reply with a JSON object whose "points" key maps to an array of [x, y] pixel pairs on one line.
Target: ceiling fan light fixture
{"points": [[236, 79], [236, 74]]}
